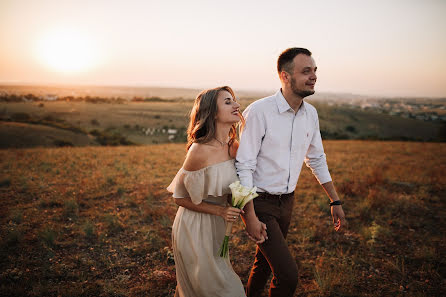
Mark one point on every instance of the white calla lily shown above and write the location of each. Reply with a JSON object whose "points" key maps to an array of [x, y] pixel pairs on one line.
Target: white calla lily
{"points": [[241, 195]]}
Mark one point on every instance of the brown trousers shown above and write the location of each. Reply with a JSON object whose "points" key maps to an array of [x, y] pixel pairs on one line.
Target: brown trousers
{"points": [[273, 255]]}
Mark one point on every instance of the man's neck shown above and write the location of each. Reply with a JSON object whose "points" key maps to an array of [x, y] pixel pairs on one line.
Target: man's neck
{"points": [[294, 101]]}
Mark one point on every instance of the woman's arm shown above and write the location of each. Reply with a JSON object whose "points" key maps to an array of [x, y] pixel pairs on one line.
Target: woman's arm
{"points": [[229, 214], [196, 159]]}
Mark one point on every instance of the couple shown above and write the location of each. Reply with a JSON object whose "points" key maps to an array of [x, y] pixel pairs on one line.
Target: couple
{"points": [[278, 133]]}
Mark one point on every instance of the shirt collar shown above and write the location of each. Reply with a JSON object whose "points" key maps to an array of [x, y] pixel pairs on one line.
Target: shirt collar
{"points": [[283, 105]]}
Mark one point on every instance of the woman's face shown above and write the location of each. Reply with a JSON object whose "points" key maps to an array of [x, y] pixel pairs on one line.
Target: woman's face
{"points": [[228, 111]]}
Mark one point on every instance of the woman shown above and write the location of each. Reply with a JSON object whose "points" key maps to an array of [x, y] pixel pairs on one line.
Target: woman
{"points": [[201, 189]]}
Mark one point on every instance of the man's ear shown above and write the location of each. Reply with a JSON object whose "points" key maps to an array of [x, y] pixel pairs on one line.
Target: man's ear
{"points": [[284, 76]]}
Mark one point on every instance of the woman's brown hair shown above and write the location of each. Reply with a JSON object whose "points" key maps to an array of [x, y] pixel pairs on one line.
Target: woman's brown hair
{"points": [[202, 118]]}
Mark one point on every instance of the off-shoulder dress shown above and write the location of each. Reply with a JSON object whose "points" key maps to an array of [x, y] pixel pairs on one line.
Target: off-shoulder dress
{"points": [[196, 236]]}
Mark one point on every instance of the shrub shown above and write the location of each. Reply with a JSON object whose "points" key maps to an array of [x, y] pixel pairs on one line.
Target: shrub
{"points": [[48, 236], [13, 237], [71, 209], [88, 229], [104, 138], [110, 181], [20, 117], [6, 182], [120, 191], [351, 129], [95, 122], [50, 118], [154, 240], [17, 216], [62, 143], [112, 223], [165, 221]]}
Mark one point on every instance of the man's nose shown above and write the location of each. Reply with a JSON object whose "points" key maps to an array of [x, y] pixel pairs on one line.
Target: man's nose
{"points": [[313, 76]]}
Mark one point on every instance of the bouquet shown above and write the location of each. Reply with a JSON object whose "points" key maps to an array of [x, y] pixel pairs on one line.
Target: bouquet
{"points": [[241, 195]]}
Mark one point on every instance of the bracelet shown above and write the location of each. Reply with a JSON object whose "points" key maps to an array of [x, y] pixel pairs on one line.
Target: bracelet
{"points": [[337, 202]]}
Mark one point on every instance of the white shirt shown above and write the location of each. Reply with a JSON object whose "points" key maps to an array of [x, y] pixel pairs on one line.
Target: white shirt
{"points": [[275, 142]]}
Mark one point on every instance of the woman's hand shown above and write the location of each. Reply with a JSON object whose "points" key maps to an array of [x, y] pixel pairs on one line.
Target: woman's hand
{"points": [[256, 230], [230, 214]]}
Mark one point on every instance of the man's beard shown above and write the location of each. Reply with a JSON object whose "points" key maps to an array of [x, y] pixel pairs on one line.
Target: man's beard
{"points": [[300, 93]]}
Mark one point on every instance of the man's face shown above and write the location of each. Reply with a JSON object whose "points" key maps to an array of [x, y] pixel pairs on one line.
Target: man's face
{"points": [[303, 78]]}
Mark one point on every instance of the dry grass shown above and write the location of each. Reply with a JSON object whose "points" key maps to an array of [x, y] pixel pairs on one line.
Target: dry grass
{"points": [[95, 221]]}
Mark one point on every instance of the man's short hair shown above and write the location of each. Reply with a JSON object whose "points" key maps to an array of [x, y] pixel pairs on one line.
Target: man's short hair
{"points": [[285, 61]]}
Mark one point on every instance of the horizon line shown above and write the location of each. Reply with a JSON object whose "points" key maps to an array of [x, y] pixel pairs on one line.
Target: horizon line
{"points": [[271, 91]]}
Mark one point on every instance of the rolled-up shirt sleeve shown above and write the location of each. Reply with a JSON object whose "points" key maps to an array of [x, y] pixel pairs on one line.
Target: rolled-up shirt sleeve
{"points": [[250, 143], [315, 158]]}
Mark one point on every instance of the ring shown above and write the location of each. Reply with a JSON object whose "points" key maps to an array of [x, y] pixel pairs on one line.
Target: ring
{"points": [[234, 217]]}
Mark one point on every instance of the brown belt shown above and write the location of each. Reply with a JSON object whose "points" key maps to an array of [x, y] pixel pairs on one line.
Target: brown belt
{"points": [[266, 195]]}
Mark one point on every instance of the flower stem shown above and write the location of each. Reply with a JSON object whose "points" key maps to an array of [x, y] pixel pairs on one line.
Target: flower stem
{"points": [[224, 248]]}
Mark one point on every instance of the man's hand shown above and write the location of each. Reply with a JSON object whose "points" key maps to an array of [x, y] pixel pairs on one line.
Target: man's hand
{"points": [[338, 217], [256, 230], [336, 210]]}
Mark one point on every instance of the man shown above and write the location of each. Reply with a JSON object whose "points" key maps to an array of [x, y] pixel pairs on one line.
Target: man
{"points": [[281, 132]]}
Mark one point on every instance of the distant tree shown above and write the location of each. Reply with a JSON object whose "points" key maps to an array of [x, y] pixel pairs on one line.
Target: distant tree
{"points": [[351, 129]]}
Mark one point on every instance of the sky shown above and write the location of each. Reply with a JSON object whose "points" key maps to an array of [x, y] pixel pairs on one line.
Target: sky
{"points": [[380, 47]]}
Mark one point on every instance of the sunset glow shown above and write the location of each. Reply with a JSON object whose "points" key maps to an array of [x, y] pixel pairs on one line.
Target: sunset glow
{"points": [[371, 47], [66, 51]]}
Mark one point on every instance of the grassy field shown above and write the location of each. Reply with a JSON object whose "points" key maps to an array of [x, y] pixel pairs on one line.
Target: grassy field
{"points": [[61, 123], [96, 221]]}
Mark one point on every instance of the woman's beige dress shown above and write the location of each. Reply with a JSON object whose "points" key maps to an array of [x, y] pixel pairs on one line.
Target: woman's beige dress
{"points": [[196, 236]]}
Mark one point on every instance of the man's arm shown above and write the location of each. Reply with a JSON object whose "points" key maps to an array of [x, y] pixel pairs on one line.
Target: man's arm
{"points": [[246, 162], [315, 158], [249, 147], [316, 161]]}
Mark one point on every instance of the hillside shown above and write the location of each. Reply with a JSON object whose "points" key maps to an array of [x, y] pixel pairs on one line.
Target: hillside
{"points": [[96, 221], [149, 123], [21, 135], [124, 92]]}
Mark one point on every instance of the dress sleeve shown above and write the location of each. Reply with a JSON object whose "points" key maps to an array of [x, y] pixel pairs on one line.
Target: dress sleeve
{"points": [[194, 182], [177, 187], [188, 184]]}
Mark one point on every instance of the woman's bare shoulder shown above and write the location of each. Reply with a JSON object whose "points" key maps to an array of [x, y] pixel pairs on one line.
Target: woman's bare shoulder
{"points": [[197, 157]]}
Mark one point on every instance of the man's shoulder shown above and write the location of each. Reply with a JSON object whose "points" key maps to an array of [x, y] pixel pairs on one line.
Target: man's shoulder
{"points": [[261, 104], [310, 108]]}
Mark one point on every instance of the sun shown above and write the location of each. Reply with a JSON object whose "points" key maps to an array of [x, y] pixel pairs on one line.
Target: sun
{"points": [[66, 51]]}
